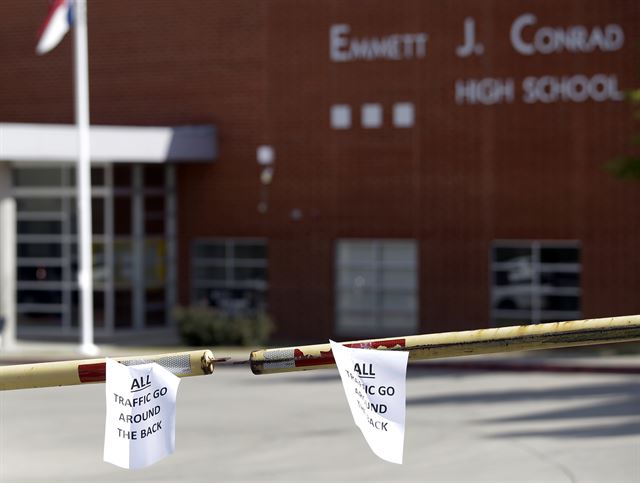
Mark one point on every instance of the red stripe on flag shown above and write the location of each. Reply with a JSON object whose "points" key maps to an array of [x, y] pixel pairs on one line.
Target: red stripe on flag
{"points": [[52, 9], [92, 372], [302, 360]]}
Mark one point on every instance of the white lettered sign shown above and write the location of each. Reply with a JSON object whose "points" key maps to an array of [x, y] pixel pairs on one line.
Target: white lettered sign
{"points": [[141, 408], [374, 382]]}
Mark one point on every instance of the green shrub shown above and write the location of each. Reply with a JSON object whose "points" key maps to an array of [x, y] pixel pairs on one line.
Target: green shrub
{"points": [[201, 325]]}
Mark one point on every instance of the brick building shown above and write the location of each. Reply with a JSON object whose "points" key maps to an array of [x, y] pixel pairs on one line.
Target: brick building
{"points": [[356, 168]]}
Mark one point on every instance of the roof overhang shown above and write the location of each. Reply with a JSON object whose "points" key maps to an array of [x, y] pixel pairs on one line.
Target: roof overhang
{"points": [[109, 144]]}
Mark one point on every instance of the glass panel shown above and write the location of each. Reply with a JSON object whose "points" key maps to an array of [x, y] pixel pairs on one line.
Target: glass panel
{"points": [[154, 204], [47, 227], [37, 177], [122, 267], [154, 262], [356, 321], [39, 297], [39, 320], [209, 273], [154, 318], [122, 175], [398, 321], [39, 250], [250, 251], [561, 302], [155, 315], [399, 252], [356, 299], [512, 298], [210, 250], [243, 274], [398, 278], [154, 176], [517, 276], [560, 255], [560, 279], [122, 215], [97, 176], [123, 309], [356, 252], [38, 204], [399, 301], [99, 267], [154, 226], [235, 301], [40, 274], [357, 278], [97, 216], [511, 254]]}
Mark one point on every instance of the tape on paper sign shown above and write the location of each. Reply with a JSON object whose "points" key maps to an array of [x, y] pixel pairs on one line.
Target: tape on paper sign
{"points": [[374, 382], [141, 414]]}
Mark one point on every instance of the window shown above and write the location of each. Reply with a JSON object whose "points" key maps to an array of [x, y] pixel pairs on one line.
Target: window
{"points": [[376, 286], [534, 281], [403, 115], [340, 116], [371, 116], [230, 274]]}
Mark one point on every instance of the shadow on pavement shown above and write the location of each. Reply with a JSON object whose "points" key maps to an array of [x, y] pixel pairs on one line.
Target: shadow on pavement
{"points": [[619, 400]]}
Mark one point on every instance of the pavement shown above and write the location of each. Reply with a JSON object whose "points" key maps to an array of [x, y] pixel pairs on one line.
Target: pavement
{"points": [[462, 426], [545, 416]]}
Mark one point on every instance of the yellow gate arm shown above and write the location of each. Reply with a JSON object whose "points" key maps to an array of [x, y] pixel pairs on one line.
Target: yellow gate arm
{"points": [[452, 344], [69, 373]]}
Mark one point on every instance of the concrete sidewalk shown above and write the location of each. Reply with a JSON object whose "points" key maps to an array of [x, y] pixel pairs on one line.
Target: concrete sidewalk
{"points": [[484, 427]]}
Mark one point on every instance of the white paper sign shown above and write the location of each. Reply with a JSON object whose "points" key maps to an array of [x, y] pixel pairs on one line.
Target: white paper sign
{"points": [[141, 409], [374, 382]]}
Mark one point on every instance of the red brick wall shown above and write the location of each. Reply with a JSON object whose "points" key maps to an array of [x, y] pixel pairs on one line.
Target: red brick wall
{"points": [[463, 176]]}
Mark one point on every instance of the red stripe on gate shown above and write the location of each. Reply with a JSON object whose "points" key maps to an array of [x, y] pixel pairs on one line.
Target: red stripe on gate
{"points": [[302, 360], [92, 372]]}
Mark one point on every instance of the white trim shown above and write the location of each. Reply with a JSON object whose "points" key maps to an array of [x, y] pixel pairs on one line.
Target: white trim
{"points": [[130, 144]]}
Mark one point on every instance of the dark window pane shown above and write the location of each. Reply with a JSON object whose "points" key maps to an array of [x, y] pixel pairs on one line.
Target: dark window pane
{"points": [[561, 302], [38, 204], [97, 216], [209, 273], [123, 308], [33, 319], [122, 175], [154, 204], [257, 251], [97, 176], [511, 254], [122, 215], [37, 177], [560, 255], [154, 176], [47, 227], [241, 274], [560, 279], [39, 297], [154, 227], [39, 250], [39, 274], [210, 250]]}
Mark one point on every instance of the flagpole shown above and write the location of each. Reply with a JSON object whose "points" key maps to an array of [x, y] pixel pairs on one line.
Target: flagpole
{"points": [[83, 178]]}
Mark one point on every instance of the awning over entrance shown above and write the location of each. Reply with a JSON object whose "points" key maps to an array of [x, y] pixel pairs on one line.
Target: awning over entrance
{"points": [[111, 144]]}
